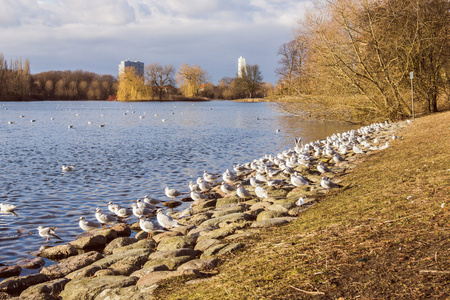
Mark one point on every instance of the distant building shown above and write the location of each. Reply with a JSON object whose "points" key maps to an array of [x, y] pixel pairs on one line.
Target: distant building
{"points": [[241, 64], [137, 65]]}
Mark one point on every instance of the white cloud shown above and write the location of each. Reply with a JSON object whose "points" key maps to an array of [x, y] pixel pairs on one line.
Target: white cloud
{"points": [[95, 35]]}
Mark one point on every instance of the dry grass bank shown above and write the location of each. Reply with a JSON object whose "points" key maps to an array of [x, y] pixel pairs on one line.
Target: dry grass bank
{"points": [[385, 237]]}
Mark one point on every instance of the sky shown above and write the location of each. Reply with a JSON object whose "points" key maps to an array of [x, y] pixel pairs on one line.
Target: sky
{"points": [[96, 35]]}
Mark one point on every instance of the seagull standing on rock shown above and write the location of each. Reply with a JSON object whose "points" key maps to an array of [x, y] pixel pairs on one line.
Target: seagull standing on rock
{"points": [[227, 188], [322, 168], [149, 227], [104, 219], [171, 193], [298, 180], [243, 193], [209, 177], [261, 192], [165, 220], [140, 211], [87, 225]]}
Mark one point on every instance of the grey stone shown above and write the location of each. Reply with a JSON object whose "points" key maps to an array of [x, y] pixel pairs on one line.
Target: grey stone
{"points": [[269, 214], [127, 293], [236, 217], [156, 277], [87, 271], [119, 242], [58, 252], [16, 285], [166, 234], [177, 242], [90, 242], [172, 263], [174, 253], [122, 229], [273, 222], [149, 269], [10, 271], [46, 289], [200, 264], [90, 288], [217, 234], [230, 248], [33, 263], [71, 264], [213, 250], [204, 244], [137, 257], [141, 244]]}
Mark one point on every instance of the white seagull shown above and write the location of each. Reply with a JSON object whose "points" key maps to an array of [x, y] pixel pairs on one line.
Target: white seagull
{"points": [[67, 168], [227, 188], [171, 193], [149, 227], [165, 220], [48, 232], [328, 184], [197, 196], [123, 212], [243, 193], [141, 204], [261, 192], [298, 180], [103, 218], [322, 168], [87, 225], [141, 211], [209, 177], [7, 207]]}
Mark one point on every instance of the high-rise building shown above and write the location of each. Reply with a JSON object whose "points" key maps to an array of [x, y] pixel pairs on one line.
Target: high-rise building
{"points": [[137, 65], [241, 65]]}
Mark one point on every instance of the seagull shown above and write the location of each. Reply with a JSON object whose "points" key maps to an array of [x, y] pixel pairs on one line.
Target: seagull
{"points": [[197, 196], [7, 207], [186, 213], [227, 188], [171, 193], [357, 150], [165, 220], [229, 177], [140, 211], [209, 177], [254, 181], [141, 204], [322, 168], [149, 227], [261, 192], [203, 185], [328, 184], [87, 225], [48, 232], [104, 219], [338, 159], [123, 212], [194, 187], [112, 207], [67, 168], [243, 193], [300, 201], [149, 200], [298, 180]]}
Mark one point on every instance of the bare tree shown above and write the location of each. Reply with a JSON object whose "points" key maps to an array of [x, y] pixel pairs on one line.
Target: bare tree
{"points": [[250, 81], [160, 77], [191, 79]]}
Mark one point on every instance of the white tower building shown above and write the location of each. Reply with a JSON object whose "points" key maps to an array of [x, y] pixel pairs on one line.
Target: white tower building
{"points": [[241, 64], [137, 65]]}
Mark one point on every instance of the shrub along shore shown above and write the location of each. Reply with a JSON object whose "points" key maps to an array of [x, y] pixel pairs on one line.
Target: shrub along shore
{"points": [[383, 234]]}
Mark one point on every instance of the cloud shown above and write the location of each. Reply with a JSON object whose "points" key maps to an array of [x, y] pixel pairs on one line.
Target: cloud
{"points": [[95, 35]]}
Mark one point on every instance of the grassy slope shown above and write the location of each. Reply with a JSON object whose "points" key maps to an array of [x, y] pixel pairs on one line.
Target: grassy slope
{"points": [[371, 240]]}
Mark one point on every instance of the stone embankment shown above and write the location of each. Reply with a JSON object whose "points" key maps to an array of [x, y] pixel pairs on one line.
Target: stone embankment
{"points": [[109, 264]]}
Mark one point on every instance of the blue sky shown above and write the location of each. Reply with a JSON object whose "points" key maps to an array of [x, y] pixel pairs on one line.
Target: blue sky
{"points": [[95, 35]]}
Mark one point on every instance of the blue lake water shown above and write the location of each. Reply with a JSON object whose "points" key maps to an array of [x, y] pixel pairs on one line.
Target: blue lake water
{"points": [[136, 153]]}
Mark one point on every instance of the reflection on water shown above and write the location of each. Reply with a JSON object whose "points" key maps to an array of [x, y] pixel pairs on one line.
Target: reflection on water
{"points": [[133, 155]]}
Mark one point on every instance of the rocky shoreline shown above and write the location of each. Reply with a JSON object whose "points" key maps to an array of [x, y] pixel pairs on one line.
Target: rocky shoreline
{"points": [[109, 264]]}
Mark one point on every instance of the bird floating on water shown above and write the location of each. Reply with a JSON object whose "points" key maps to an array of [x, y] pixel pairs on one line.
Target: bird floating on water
{"points": [[4, 207], [67, 168]]}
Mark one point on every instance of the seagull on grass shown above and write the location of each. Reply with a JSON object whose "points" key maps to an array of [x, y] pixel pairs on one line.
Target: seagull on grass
{"points": [[328, 184]]}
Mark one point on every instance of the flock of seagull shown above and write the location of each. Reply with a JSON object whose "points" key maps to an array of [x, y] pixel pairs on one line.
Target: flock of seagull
{"points": [[276, 171]]}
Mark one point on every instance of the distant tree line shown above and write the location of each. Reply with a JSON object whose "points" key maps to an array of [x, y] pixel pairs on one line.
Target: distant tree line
{"points": [[15, 79], [351, 59]]}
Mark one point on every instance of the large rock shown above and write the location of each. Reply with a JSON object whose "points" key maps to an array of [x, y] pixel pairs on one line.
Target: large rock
{"points": [[142, 244], [213, 250], [10, 271], [171, 263], [149, 269], [32, 263], [156, 277], [129, 293], [58, 252], [71, 264], [109, 233], [177, 242], [204, 244], [224, 201], [199, 230], [273, 222], [166, 234], [175, 253], [137, 257], [122, 229], [90, 242], [204, 205], [270, 214], [87, 271], [16, 285], [199, 218], [90, 288], [119, 242], [200, 264], [229, 209], [217, 234], [231, 218], [123, 268], [46, 290]]}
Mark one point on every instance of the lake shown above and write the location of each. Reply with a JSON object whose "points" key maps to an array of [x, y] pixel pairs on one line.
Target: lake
{"points": [[123, 151]]}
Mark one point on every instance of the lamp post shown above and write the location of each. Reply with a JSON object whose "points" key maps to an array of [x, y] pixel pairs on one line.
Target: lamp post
{"points": [[411, 76]]}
